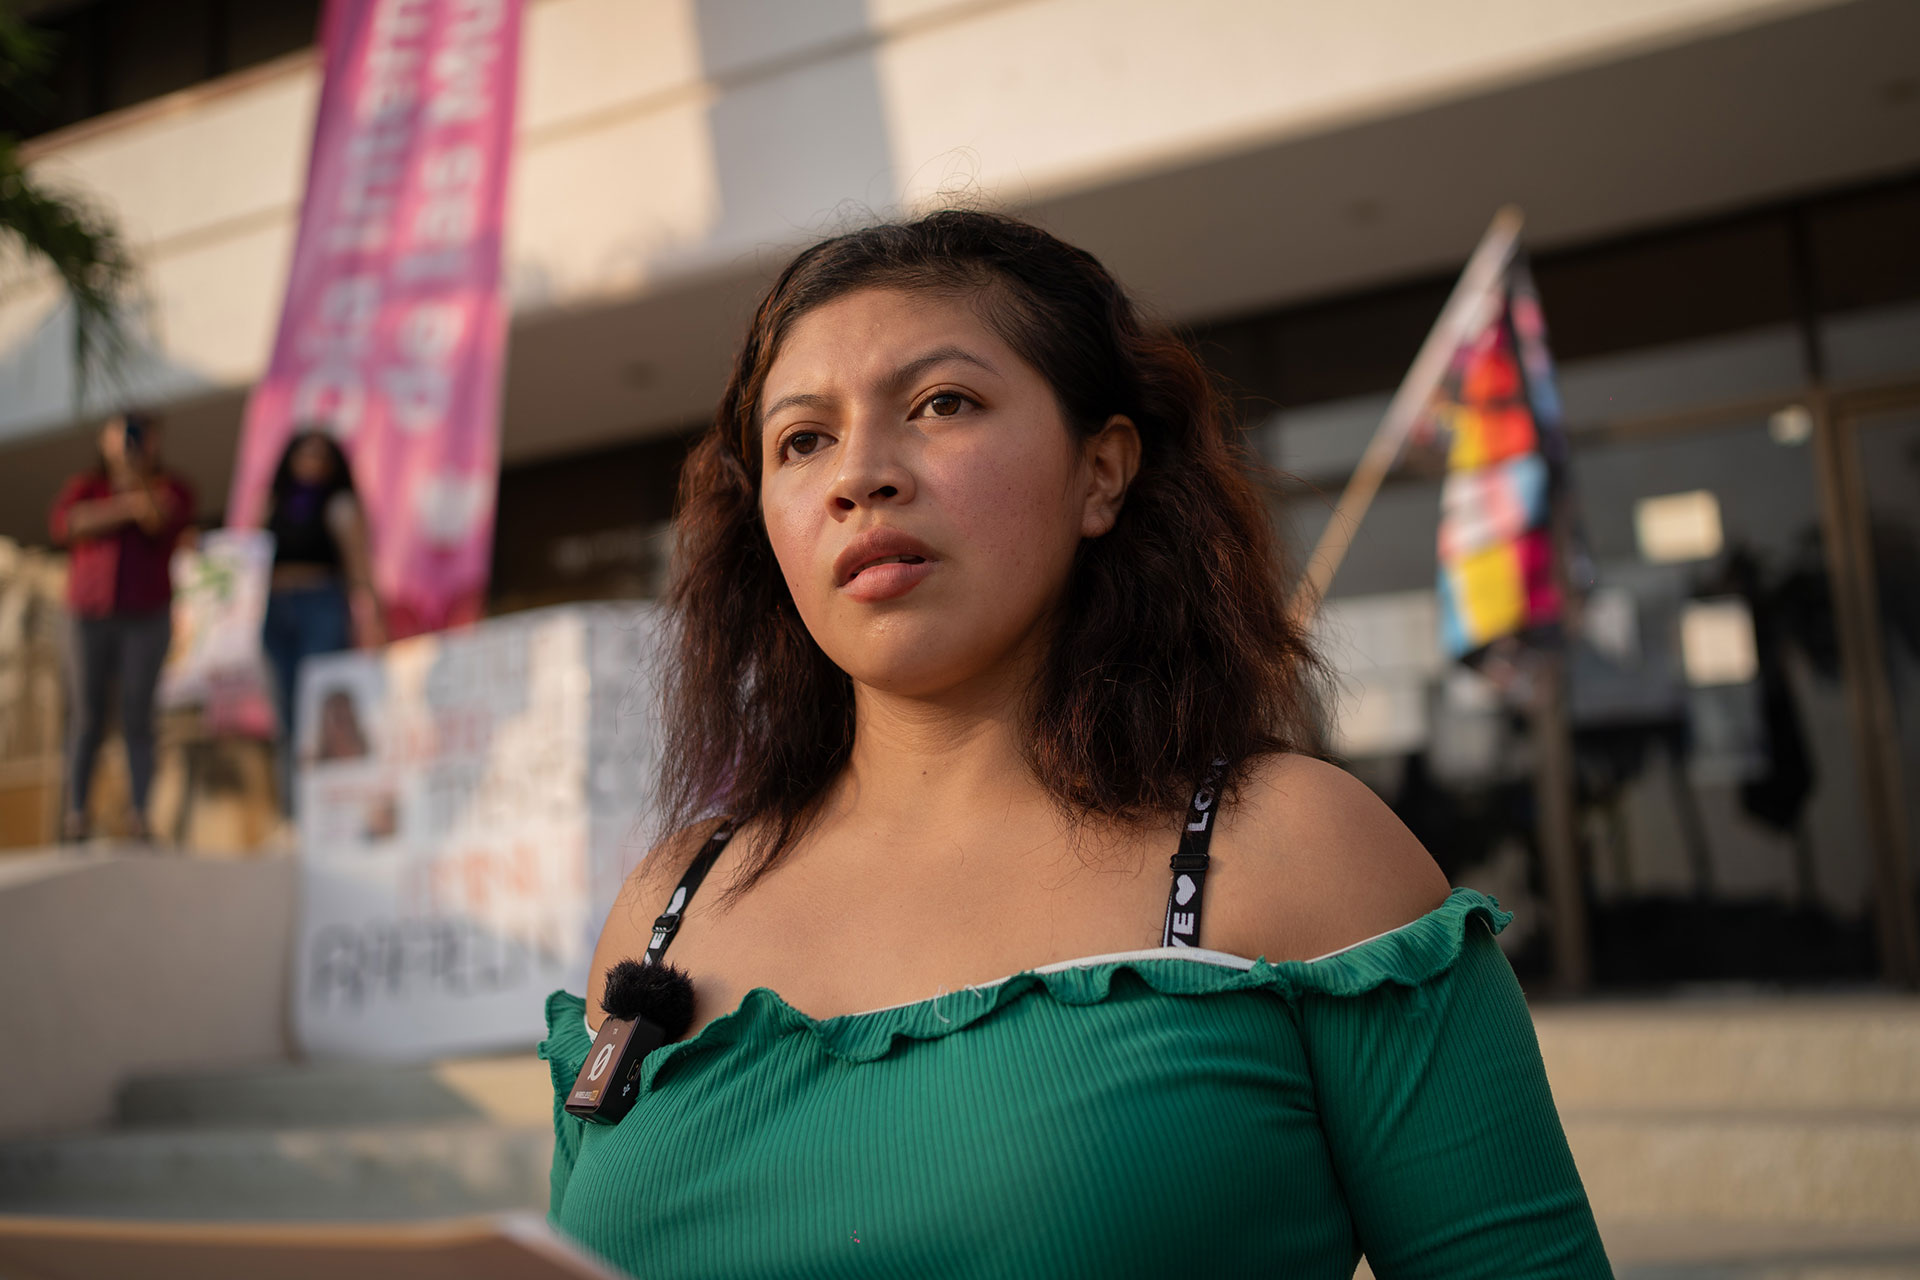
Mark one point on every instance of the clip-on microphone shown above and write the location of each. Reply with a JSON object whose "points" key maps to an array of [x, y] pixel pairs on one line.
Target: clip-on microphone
{"points": [[647, 1005]]}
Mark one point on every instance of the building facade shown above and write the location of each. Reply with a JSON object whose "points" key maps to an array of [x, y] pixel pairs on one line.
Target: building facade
{"points": [[1722, 199]]}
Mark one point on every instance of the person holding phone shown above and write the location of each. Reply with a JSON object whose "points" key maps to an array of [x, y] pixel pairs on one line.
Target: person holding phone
{"points": [[120, 521]]}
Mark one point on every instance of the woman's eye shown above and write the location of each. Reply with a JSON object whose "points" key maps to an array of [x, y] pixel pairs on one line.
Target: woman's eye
{"points": [[946, 404], [801, 443]]}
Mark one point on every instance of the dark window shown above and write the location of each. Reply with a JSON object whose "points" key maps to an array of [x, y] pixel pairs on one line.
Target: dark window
{"points": [[1866, 247], [109, 54], [256, 32], [1667, 286], [1325, 350], [154, 49], [588, 526], [1672, 286]]}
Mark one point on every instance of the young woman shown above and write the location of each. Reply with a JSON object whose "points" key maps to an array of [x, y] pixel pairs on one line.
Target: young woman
{"points": [[998, 972], [321, 598], [120, 521]]}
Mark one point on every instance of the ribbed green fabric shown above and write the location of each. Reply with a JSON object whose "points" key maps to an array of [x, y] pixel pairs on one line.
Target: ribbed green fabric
{"points": [[1155, 1117]]}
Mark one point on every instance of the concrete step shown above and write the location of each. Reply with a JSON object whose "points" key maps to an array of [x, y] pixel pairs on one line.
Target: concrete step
{"points": [[315, 1142], [1792, 1053], [1830, 1169], [312, 1141], [1800, 1113], [511, 1090], [1760, 1251], [1757, 1251], [373, 1172]]}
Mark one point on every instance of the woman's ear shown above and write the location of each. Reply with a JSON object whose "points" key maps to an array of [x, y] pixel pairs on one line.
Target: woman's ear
{"points": [[1113, 459]]}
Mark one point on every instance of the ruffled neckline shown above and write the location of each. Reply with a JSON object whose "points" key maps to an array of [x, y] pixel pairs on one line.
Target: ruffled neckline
{"points": [[1413, 954]]}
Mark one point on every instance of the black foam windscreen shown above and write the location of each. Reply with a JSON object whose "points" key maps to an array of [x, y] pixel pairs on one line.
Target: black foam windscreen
{"points": [[660, 993]]}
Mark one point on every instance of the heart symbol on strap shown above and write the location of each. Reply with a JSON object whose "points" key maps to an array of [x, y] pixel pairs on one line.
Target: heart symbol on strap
{"points": [[1183, 890]]}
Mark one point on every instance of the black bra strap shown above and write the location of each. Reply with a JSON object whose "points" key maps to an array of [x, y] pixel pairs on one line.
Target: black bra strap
{"points": [[1189, 865], [669, 924]]}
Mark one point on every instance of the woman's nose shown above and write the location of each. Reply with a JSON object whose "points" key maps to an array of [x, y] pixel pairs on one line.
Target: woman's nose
{"points": [[871, 472]]}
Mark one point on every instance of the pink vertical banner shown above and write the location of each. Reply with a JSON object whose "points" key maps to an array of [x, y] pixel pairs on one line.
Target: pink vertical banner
{"points": [[394, 328]]}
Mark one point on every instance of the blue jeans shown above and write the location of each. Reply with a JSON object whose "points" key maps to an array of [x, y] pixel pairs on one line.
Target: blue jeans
{"points": [[300, 624]]}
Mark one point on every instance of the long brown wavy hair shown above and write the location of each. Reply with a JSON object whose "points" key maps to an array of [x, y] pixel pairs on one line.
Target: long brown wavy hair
{"points": [[1172, 646]]}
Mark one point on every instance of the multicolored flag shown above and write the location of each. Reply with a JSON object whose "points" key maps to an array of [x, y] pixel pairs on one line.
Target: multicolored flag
{"points": [[1499, 417]]}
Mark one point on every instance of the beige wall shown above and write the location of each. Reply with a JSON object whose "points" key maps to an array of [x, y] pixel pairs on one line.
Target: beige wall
{"points": [[112, 967], [668, 142]]}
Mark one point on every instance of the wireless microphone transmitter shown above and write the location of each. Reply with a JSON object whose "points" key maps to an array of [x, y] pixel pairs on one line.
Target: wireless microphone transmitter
{"points": [[647, 1005], [604, 1090]]}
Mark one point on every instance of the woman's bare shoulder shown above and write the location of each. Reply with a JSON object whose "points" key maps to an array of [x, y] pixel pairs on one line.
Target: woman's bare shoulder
{"points": [[1315, 861], [629, 924]]}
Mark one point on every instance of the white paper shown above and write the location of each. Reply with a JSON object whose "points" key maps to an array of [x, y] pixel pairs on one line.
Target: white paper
{"points": [[469, 802]]}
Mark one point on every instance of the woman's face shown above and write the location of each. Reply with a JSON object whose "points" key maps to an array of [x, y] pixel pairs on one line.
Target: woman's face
{"points": [[312, 463], [922, 491], [140, 453]]}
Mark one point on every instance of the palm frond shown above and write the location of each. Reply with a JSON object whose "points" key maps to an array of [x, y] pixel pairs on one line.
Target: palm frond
{"points": [[84, 249], [62, 230]]}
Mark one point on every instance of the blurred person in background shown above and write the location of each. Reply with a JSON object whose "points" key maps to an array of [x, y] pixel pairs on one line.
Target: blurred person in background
{"points": [[321, 597], [120, 521]]}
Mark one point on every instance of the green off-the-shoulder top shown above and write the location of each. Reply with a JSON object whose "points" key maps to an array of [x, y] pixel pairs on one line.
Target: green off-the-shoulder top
{"points": [[1159, 1113]]}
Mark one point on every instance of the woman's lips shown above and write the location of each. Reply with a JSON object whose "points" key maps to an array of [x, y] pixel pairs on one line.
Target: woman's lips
{"points": [[882, 563], [887, 581]]}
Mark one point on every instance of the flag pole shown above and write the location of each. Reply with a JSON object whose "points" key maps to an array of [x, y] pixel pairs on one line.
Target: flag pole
{"points": [[1458, 318], [1553, 783]]}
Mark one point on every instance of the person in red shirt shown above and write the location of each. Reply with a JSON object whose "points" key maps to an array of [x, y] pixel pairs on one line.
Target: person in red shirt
{"points": [[120, 521]]}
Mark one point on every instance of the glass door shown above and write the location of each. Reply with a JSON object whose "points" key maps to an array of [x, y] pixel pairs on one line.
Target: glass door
{"points": [[1717, 777]]}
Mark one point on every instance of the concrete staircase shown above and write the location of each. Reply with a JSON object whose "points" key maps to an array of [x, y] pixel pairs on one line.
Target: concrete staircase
{"points": [[1753, 1137], [302, 1142], [1720, 1139]]}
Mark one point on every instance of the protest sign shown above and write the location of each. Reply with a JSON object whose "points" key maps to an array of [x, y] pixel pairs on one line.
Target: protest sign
{"points": [[469, 804], [216, 664]]}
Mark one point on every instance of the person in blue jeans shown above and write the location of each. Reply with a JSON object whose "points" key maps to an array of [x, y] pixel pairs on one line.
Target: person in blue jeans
{"points": [[322, 598]]}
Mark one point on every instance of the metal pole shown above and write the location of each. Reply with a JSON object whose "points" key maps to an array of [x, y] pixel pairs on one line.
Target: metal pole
{"points": [[1846, 535], [1553, 785], [1849, 555]]}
